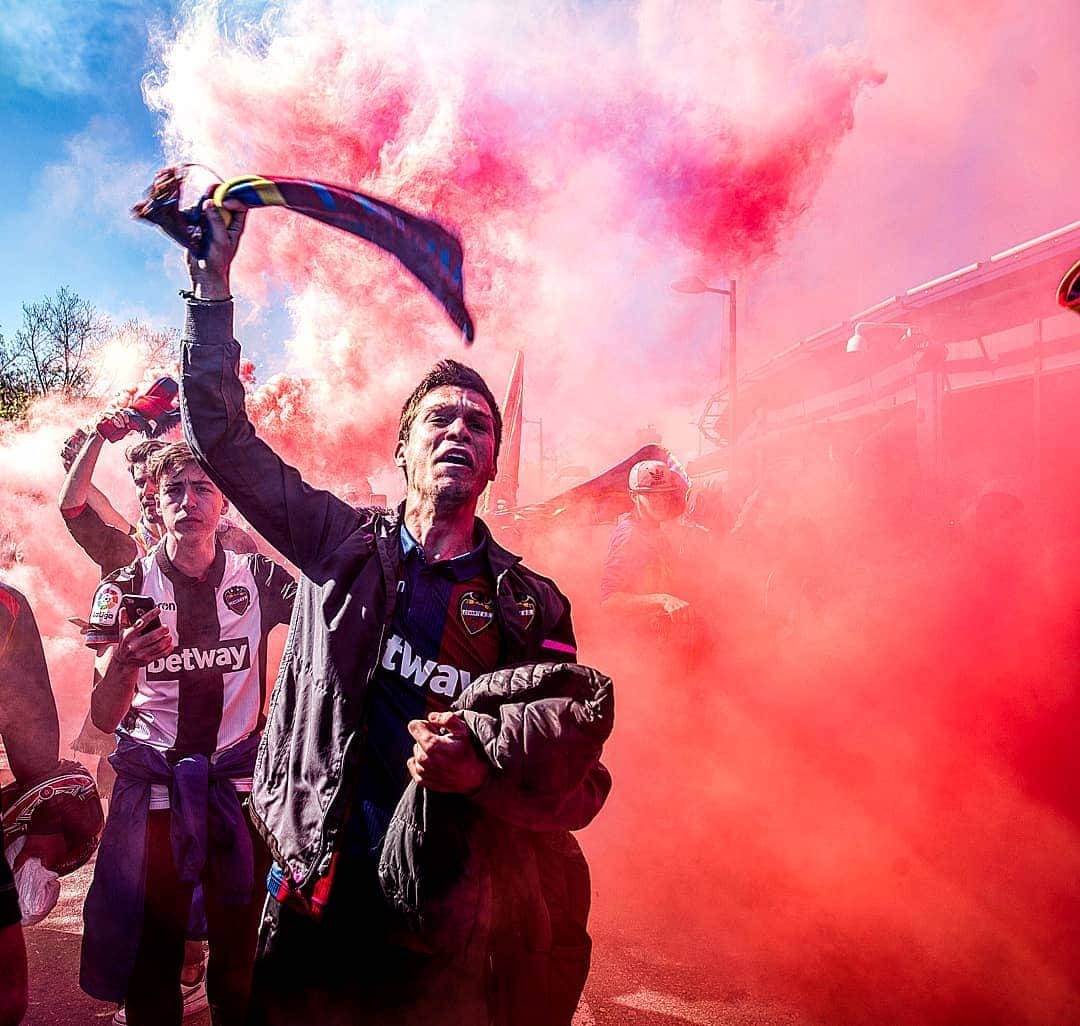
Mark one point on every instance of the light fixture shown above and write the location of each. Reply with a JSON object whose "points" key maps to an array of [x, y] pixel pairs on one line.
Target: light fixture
{"points": [[691, 286], [860, 343]]}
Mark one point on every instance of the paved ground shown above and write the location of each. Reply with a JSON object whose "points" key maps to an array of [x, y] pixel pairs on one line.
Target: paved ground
{"points": [[632, 984]]}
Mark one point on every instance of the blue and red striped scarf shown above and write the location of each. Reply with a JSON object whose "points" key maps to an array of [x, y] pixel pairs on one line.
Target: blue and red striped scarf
{"points": [[424, 247]]}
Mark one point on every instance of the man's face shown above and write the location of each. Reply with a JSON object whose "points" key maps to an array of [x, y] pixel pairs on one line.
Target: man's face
{"points": [[659, 506], [191, 504], [450, 452], [146, 492]]}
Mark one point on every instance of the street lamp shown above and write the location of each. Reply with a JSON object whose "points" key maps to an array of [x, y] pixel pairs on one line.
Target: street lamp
{"points": [[695, 286]]}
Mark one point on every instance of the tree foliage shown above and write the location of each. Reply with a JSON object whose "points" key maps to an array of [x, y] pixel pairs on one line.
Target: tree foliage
{"points": [[55, 349]]}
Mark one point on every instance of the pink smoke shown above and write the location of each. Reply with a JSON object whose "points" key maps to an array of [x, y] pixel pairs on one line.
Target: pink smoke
{"points": [[833, 834], [960, 154], [555, 140]]}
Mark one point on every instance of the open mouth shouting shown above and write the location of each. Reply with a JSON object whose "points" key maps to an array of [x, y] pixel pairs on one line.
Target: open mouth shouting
{"points": [[456, 458]]}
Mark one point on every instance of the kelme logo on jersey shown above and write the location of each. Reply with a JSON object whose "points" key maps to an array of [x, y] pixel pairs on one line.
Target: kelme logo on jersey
{"points": [[527, 611], [225, 657], [477, 611], [237, 598]]}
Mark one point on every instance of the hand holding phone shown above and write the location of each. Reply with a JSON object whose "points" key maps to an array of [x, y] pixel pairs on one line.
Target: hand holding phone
{"points": [[138, 606], [142, 640]]}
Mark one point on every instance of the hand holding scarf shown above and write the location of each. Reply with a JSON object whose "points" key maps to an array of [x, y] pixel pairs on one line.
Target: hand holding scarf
{"points": [[426, 249]]}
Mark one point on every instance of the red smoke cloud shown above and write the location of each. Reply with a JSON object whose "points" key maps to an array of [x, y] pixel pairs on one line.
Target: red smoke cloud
{"points": [[857, 825], [961, 153]]}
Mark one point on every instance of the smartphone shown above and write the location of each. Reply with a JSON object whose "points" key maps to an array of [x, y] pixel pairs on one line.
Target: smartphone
{"points": [[136, 606]]}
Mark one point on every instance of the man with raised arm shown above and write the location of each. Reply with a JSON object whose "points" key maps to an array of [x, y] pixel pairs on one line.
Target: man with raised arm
{"points": [[417, 795], [100, 530]]}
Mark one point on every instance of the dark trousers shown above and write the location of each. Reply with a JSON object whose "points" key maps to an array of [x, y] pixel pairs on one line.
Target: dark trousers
{"points": [[353, 968], [153, 997]]}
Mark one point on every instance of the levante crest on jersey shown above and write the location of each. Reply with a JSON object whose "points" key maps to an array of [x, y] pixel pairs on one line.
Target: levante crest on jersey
{"points": [[237, 598], [477, 611]]}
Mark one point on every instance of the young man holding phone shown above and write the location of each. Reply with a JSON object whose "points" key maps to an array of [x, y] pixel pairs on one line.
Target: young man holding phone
{"points": [[181, 677]]}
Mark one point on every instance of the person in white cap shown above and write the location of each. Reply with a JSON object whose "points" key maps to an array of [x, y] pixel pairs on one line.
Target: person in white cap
{"points": [[638, 578]]}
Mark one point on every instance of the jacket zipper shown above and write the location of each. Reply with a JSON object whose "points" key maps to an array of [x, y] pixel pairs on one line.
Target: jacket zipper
{"points": [[321, 864]]}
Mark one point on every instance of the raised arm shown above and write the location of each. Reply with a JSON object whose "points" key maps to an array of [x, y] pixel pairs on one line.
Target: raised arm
{"points": [[103, 535], [301, 522], [78, 489]]}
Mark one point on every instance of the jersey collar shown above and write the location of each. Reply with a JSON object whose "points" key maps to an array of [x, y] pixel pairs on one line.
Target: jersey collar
{"points": [[213, 575], [462, 568]]}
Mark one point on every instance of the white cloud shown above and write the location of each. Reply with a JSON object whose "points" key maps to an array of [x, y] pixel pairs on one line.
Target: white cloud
{"points": [[52, 46], [99, 172]]}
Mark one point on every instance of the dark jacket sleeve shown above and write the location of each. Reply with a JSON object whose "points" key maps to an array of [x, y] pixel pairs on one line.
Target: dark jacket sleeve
{"points": [[105, 545], [28, 721], [301, 522], [559, 644]]}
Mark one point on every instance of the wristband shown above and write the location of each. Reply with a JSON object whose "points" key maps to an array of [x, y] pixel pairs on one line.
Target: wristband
{"points": [[189, 296]]}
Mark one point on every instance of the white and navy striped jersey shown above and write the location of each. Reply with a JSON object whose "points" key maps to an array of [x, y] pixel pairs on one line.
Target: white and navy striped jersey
{"points": [[209, 692]]}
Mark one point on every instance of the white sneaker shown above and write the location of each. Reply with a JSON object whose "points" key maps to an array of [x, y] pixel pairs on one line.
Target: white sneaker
{"points": [[193, 994]]}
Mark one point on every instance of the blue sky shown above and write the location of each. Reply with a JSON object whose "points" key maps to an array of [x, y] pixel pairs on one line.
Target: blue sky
{"points": [[79, 146], [77, 137]]}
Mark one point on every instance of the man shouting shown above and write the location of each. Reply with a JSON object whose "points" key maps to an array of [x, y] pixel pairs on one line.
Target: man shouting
{"points": [[416, 795]]}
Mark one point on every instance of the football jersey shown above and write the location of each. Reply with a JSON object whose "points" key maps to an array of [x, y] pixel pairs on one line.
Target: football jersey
{"points": [[443, 634], [208, 693]]}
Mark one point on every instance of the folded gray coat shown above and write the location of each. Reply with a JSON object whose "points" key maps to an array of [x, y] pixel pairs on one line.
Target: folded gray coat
{"points": [[503, 860]]}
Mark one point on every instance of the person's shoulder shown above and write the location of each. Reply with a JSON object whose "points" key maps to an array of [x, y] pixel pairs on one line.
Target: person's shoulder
{"points": [[256, 563], [125, 580], [525, 575], [134, 571], [625, 530], [545, 588], [234, 538]]}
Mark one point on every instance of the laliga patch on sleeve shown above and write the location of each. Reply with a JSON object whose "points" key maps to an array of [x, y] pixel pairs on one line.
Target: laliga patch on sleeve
{"points": [[104, 625], [237, 598], [106, 606]]}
